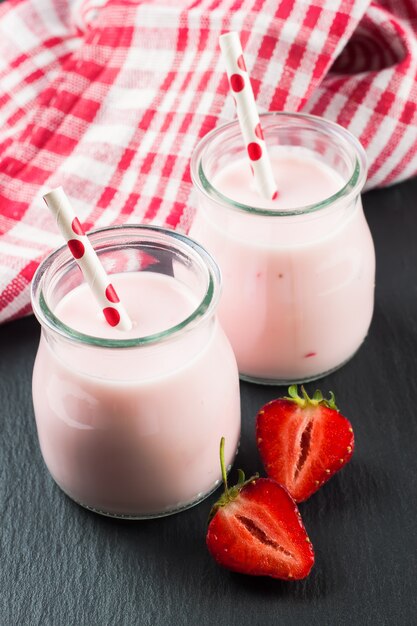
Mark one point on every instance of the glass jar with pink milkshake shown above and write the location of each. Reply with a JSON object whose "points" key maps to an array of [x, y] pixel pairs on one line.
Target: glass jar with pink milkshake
{"points": [[129, 422], [298, 271]]}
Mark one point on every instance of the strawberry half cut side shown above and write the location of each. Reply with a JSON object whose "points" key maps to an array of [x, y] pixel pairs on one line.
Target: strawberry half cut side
{"points": [[303, 441], [256, 529]]}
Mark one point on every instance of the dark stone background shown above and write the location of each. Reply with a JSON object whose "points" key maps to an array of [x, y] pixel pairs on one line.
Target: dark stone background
{"points": [[61, 565]]}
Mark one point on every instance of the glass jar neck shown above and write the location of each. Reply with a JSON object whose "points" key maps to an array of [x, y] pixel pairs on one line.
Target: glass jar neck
{"points": [[131, 248], [326, 141]]}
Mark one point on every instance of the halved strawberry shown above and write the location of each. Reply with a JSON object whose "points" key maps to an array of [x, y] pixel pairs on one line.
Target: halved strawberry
{"points": [[303, 441], [256, 529]]}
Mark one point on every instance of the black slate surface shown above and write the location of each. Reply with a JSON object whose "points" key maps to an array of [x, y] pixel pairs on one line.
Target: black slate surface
{"points": [[61, 565]]}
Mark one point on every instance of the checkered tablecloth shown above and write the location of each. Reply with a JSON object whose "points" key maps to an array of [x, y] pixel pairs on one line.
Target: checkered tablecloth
{"points": [[108, 99]]}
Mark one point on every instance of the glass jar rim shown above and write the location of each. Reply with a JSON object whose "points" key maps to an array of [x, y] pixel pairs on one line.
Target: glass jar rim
{"points": [[352, 187], [202, 311]]}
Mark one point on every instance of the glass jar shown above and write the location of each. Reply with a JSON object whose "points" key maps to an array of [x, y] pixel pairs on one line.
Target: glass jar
{"points": [[131, 427], [298, 284]]}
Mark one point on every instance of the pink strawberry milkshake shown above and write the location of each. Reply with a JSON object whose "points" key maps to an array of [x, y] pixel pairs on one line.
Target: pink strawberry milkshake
{"points": [[129, 423], [298, 272]]}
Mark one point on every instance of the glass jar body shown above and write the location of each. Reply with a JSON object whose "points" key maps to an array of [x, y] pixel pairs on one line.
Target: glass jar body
{"points": [[298, 287], [134, 431]]}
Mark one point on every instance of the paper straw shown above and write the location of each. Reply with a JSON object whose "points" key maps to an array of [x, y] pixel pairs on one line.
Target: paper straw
{"points": [[83, 252], [247, 114]]}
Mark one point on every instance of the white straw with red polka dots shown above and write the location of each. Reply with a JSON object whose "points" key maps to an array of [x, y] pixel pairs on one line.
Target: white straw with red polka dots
{"points": [[247, 114], [83, 252]]}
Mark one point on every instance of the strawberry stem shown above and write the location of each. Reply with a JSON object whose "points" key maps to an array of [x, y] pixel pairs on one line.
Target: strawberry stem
{"points": [[305, 394], [222, 464], [229, 494], [305, 401]]}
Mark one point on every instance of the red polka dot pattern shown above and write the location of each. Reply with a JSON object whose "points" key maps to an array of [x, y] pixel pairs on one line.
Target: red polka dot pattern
{"points": [[83, 252], [111, 294], [247, 114], [241, 63], [254, 151], [76, 226], [275, 195], [77, 248], [259, 132], [112, 315], [237, 82]]}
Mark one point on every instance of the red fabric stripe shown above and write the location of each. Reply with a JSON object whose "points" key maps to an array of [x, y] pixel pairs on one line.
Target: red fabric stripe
{"points": [[56, 91], [16, 286]]}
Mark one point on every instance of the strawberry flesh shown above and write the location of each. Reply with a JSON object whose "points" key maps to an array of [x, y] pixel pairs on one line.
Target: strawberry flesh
{"points": [[260, 532], [303, 446]]}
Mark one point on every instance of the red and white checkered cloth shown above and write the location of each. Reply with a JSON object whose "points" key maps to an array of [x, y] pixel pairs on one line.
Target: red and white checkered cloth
{"points": [[108, 99]]}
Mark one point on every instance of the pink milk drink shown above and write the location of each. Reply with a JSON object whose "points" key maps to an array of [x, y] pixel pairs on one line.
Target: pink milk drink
{"points": [[130, 422], [298, 271]]}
